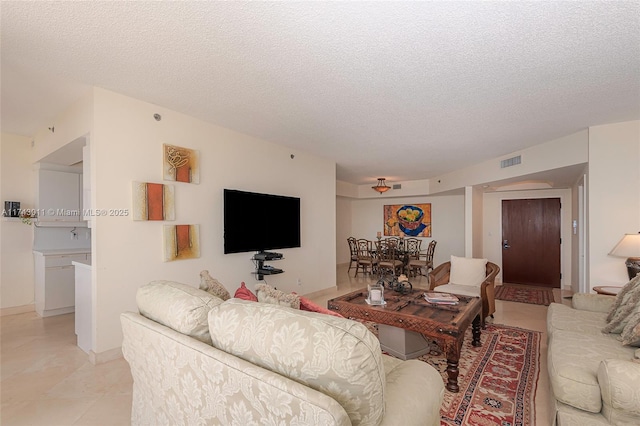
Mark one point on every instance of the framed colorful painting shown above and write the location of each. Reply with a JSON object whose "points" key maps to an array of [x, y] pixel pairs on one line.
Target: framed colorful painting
{"points": [[412, 220], [181, 164]]}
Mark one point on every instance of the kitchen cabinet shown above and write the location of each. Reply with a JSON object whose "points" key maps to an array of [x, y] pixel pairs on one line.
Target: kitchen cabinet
{"points": [[59, 196], [55, 280], [84, 316]]}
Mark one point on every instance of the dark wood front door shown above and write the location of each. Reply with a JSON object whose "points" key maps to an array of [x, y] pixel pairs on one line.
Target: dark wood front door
{"points": [[531, 242]]}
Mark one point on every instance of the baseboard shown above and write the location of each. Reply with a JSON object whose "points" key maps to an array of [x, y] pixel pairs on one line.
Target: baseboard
{"points": [[106, 356], [14, 310]]}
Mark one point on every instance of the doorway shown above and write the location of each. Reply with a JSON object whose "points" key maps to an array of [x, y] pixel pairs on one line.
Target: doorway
{"points": [[531, 242]]}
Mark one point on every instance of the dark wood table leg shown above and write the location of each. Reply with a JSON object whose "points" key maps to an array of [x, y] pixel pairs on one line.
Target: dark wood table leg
{"points": [[452, 373], [475, 331]]}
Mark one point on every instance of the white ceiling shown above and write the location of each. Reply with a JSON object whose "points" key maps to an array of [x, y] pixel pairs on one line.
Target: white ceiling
{"points": [[405, 90]]}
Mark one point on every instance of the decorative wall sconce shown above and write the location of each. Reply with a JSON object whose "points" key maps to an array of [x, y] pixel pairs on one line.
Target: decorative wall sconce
{"points": [[381, 186]]}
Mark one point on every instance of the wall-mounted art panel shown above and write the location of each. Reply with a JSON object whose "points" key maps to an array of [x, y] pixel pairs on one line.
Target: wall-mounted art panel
{"points": [[153, 201], [181, 242], [181, 164], [409, 219]]}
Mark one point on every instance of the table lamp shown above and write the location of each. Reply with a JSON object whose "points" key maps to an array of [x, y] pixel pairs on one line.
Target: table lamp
{"points": [[629, 247]]}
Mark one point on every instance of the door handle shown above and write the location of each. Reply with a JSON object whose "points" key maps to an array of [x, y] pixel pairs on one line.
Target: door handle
{"points": [[505, 244]]}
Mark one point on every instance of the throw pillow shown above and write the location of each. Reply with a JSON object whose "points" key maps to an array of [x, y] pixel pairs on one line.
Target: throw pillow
{"points": [[620, 298], [631, 332], [268, 294], [213, 286], [245, 294], [630, 305], [180, 307], [467, 271], [308, 305]]}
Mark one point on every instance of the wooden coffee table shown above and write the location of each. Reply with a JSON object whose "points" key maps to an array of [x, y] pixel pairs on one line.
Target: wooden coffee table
{"points": [[444, 323]]}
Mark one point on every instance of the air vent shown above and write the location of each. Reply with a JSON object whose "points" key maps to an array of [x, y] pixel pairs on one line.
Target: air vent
{"points": [[511, 162], [397, 186]]}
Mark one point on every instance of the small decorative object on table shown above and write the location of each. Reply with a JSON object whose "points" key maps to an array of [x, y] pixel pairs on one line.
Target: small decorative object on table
{"points": [[376, 294], [441, 298], [399, 284]]}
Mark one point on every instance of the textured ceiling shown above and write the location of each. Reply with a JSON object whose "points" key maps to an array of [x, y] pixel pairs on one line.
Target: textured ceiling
{"points": [[405, 90]]}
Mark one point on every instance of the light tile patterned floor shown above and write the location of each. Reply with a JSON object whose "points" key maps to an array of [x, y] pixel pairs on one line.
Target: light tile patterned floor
{"points": [[47, 380]]}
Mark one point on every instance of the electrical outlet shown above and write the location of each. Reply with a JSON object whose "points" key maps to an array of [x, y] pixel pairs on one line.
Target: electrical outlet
{"points": [[299, 281]]}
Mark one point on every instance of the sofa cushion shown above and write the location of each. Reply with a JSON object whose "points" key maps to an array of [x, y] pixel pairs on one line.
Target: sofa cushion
{"points": [[467, 271], [213, 286], [309, 305], [631, 333], [623, 296], [268, 294], [620, 391], [573, 359], [562, 317], [245, 294], [335, 356], [178, 306]]}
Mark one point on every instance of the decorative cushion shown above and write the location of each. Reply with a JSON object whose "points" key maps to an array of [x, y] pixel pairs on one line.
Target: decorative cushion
{"points": [[630, 305], [631, 332], [213, 286], [308, 305], [268, 294], [178, 306], [467, 271], [622, 295], [245, 294], [335, 356]]}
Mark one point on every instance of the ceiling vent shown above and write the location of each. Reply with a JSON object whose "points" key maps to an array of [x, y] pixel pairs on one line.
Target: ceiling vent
{"points": [[511, 162], [397, 186]]}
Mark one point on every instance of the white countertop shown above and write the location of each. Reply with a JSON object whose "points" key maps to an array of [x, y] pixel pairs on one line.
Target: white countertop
{"points": [[59, 252], [82, 264]]}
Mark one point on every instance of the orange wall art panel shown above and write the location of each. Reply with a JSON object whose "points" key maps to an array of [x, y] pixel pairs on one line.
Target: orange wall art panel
{"points": [[181, 242], [153, 201], [181, 164]]}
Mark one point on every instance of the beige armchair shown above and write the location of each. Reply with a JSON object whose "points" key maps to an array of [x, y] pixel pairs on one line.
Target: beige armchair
{"points": [[471, 277]]}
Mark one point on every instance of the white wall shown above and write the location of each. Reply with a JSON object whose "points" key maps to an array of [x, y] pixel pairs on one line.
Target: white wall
{"points": [[16, 238], [614, 197], [447, 217], [492, 246], [126, 146], [343, 229]]}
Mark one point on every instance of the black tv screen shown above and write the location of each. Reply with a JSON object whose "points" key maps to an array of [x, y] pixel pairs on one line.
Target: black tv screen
{"points": [[258, 222]]}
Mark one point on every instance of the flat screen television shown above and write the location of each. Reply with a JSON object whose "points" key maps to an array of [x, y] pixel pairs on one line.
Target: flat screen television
{"points": [[258, 222]]}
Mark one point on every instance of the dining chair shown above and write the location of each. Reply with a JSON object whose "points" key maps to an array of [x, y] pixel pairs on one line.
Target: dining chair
{"points": [[424, 261], [353, 252], [366, 262], [388, 258]]}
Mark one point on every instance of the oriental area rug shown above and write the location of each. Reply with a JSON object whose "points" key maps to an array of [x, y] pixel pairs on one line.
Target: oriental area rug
{"points": [[524, 294], [497, 380]]}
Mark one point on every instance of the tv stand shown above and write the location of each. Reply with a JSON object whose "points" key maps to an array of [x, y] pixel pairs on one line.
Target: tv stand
{"points": [[262, 268]]}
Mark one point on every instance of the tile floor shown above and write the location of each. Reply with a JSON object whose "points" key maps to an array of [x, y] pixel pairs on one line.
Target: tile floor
{"points": [[45, 379]]}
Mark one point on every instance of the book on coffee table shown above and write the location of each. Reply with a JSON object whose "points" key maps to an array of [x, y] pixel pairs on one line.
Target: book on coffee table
{"points": [[441, 298]]}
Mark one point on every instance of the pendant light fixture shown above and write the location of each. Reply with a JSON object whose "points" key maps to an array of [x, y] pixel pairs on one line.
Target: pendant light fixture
{"points": [[381, 186]]}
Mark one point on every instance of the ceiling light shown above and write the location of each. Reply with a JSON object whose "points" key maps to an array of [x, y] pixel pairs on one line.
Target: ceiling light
{"points": [[381, 186]]}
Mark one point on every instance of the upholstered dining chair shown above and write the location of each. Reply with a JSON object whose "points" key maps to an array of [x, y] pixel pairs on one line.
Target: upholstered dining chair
{"points": [[388, 259], [353, 252], [367, 262], [467, 277], [424, 261]]}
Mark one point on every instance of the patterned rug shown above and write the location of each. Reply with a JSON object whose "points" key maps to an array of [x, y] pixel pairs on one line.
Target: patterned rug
{"points": [[497, 380], [524, 294]]}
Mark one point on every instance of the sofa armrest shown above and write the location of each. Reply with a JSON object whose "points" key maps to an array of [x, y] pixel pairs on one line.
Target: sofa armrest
{"points": [[592, 302], [619, 382]]}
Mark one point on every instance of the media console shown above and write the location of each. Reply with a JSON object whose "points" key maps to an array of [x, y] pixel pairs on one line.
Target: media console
{"points": [[263, 269]]}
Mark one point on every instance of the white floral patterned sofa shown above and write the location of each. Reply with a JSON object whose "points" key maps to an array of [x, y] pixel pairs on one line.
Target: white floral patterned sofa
{"points": [[594, 377], [198, 360]]}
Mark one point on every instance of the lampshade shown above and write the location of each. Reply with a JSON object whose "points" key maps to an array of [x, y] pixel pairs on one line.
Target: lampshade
{"points": [[628, 246], [381, 186]]}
